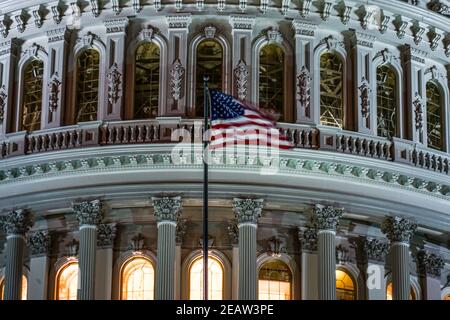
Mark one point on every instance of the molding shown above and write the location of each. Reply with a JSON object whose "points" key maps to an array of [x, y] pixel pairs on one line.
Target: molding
{"points": [[181, 21], [242, 22], [116, 25]]}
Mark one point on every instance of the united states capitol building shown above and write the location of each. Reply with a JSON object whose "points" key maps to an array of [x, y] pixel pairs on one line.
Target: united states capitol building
{"points": [[93, 206]]}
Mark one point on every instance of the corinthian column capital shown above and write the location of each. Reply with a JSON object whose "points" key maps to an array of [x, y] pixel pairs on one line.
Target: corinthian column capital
{"points": [[89, 212], [247, 210], [430, 263], [326, 217], [167, 208], [17, 222], [375, 249], [39, 243], [398, 229]]}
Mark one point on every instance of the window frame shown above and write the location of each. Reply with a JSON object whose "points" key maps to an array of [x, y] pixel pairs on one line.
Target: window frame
{"points": [[127, 261], [62, 266]]}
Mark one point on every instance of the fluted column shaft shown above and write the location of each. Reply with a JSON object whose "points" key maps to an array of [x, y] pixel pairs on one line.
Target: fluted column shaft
{"points": [[15, 245], [247, 262], [166, 258], [400, 271], [327, 264], [88, 247]]}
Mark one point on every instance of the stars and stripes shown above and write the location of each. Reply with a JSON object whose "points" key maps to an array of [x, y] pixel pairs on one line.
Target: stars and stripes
{"points": [[234, 122]]}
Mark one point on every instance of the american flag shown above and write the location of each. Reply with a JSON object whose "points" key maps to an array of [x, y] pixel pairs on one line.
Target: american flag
{"points": [[235, 123]]}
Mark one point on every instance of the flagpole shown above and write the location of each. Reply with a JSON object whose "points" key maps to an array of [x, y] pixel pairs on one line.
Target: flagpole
{"points": [[205, 188]]}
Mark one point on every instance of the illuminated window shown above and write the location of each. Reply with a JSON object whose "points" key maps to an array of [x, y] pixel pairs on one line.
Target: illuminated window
{"points": [[275, 281], [67, 282], [146, 82], [32, 96], [434, 116], [331, 90], [447, 297], [209, 63], [345, 286], [215, 279], [88, 63], [138, 280], [271, 79], [386, 102], [24, 289], [389, 294]]}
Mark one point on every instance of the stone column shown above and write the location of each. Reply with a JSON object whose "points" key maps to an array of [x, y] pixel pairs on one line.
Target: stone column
{"points": [[7, 68], [106, 233], [309, 264], [167, 212], [429, 267], [39, 245], [247, 212], [325, 220], [89, 215], [16, 223], [399, 231], [375, 252]]}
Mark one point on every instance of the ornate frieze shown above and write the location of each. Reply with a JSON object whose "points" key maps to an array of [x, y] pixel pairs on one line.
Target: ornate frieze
{"points": [[3, 96], [364, 97], [429, 263], [137, 243], [303, 28], [439, 7], [56, 13], [401, 27], [418, 31], [241, 22], [116, 25], [38, 19], [56, 35], [434, 40], [398, 229], [39, 242], [181, 21], [106, 233], [363, 39], [233, 232], [304, 80], [308, 238], [89, 212], [277, 246], [20, 22], [176, 74], [181, 230], [72, 248], [114, 81], [384, 24], [247, 210], [167, 208], [54, 89], [326, 217], [17, 222], [241, 77], [375, 249]]}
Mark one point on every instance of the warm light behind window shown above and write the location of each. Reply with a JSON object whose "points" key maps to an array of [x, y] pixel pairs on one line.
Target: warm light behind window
{"points": [[345, 287], [389, 293], [24, 289], [215, 280], [68, 282], [275, 280], [138, 280]]}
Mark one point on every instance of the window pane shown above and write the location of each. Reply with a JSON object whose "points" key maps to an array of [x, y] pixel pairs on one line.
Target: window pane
{"points": [[386, 102], [275, 281], [146, 82], [209, 63], [87, 85], [345, 287], [331, 90], [434, 115], [138, 280], [389, 293], [215, 279], [67, 282], [32, 96], [271, 80], [24, 293]]}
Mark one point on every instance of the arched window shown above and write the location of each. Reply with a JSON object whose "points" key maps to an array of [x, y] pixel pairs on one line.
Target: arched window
{"points": [[386, 102], [271, 80], [137, 280], [215, 279], [209, 63], [24, 293], [345, 286], [434, 116], [275, 281], [32, 96], [67, 282], [331, 90], [146, 81], [389, 292], [447, 297], [87, 89]]}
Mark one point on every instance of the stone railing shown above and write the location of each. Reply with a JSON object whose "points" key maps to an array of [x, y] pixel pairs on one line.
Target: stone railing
{"points": [[162, 130]]}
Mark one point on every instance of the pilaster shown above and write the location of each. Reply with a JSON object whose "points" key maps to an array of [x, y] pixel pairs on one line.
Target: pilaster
{"points": [[7, 64], [39, 245], [429, 267]]}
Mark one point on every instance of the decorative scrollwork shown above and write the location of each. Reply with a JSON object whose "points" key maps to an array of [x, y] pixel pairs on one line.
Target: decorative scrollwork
{"points": [[308, 238], [89, 212], [247, 210], [430, 263], [54, 88], [365, 91], [418, 107], [304, 88], [176, 78], [167, 208], [17, 222], [114, 79], [398, 229], [3, 96], [39, 242], [326, 217], [241, 74]]}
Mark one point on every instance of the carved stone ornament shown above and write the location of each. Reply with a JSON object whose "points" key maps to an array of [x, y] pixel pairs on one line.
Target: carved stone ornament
{"points": [[441, 8], [331, 42], [429, 263], [418, 107], [57, 17], [341, 254], [33, 50], [137, 6], [106, 233], [17, 222], [4, 27], [210, 32], [398, 229], [72, 248], [273, 36], [277, 247], [114, 80], [137, 243], [241, 76], [308, 238], [3, 97], [247, 210], [39, 243], [89, 212], [210, 241], [38, 20], [326, 217], [233, 232], [20, 22], [375, 249], [88, 39], [167, 208], [54, 88], [176, 79], [304, 87], [364, 96], [181, 230]]}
